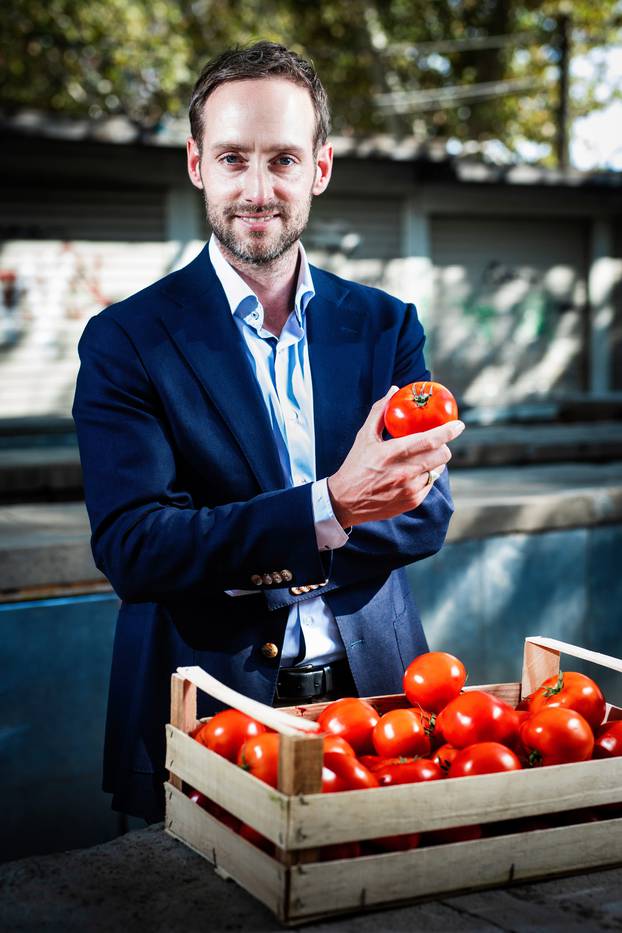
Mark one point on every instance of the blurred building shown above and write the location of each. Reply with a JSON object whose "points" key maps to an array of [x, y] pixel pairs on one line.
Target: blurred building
{"points": [[516, 271]]}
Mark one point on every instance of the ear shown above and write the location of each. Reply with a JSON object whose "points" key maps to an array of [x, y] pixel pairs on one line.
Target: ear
{"points": [[194, 162], [323, 168]]}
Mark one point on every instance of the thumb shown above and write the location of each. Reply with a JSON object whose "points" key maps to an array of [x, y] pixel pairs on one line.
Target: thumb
{"points": [[375, 419]]}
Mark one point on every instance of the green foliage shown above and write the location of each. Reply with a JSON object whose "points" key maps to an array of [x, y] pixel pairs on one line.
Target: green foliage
{"points": [[140, 58]]}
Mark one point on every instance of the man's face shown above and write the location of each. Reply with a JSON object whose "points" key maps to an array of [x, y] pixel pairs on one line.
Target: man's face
{"points": [[257, 167]]}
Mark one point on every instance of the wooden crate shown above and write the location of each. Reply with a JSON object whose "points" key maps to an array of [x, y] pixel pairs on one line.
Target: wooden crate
{"points": [[298, 819]]}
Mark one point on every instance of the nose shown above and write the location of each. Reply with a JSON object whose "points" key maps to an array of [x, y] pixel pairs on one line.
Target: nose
{"points": [[257, 184]]}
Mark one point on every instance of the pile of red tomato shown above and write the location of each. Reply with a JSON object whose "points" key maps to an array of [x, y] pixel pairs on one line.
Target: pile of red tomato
{"points": [[446, 732]]}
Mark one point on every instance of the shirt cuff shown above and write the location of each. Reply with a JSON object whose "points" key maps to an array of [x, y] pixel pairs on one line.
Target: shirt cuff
{"points": [[329, 533]]}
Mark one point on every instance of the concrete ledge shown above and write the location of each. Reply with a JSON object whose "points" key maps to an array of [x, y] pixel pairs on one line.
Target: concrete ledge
{"points": [[505, 500], [48, 466], [47, 544]]}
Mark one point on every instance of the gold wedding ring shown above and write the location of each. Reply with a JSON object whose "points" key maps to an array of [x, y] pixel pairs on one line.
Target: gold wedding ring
{"points": [[433, 475]]}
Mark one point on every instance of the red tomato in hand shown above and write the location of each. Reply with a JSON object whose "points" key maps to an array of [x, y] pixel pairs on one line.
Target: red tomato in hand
{"points": [[353, 720], [608, 742], [477, 716], [260, 756], [557, 736], [483, 758], [401, 732], [419, 406], [570, 690], [407, 771], [226, 732], [433, 679]]}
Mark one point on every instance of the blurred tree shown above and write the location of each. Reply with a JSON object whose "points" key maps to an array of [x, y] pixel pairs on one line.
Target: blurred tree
{"points": [[400, 66]]}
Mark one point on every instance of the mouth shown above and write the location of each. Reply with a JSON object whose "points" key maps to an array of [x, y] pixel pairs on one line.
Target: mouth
{"points": [[257, 221]]}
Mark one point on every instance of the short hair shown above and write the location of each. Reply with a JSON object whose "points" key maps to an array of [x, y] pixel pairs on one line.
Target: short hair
{"points": [[262, 60]]}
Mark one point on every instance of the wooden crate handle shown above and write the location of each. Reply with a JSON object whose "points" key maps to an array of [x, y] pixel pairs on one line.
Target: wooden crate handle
{"points": [[275, 719], [541, 660]]}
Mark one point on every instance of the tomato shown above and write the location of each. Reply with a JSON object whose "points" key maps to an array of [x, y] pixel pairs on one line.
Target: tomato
{"points": [[444, 756], [400, 843], [433, 679], [350, 771], [401, 732], [557, 736], [331, 782], [251, 835], [477, 716], [570, 690], [226, 732], [371, 762], [200, 799], [340, 850], [608, 742], [223, 815], [334, 743], [353, 720], [453, 834], [260, 756], [407, 771], [419, 406], [483, 758]]}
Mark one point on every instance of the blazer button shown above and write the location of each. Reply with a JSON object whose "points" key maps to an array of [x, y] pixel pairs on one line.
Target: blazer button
{"points": [[287, 576], [256, 579], [267, 579], [269, 650], [295, 590], [276, 577]]}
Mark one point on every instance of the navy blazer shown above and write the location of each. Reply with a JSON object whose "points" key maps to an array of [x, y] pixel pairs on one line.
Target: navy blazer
{"points": [[185, 497]]}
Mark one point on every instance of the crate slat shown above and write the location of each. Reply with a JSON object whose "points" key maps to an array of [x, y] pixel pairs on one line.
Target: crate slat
{"points": [[322, 819], [261, 875], [253, 801], [393, 878]]}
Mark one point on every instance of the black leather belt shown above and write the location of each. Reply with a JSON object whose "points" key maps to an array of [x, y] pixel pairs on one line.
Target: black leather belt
{"points": [[314, 681]]}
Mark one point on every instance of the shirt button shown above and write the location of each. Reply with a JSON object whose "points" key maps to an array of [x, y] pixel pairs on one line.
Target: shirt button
{"points": [[269, 650]]}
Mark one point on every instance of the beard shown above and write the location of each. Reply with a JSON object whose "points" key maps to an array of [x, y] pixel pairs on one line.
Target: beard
{"points": [[259, 247]]}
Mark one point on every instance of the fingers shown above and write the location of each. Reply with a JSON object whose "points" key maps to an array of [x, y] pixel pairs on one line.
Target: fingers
{"points": [[432, 440], [375, 418]]}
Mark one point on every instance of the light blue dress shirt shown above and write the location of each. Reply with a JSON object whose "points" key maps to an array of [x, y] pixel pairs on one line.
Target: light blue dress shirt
{"points": [[281, 367]]}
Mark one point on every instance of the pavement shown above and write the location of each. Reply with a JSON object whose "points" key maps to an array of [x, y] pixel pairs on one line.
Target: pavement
{"points": [[145, 880]]}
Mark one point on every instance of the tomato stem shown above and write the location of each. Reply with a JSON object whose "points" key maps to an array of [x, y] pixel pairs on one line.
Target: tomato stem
{"points": [[559, 686], [535, 758]]}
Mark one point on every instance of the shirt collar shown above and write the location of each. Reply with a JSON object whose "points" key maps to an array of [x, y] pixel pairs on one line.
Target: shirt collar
{"points": [[240, 295]]}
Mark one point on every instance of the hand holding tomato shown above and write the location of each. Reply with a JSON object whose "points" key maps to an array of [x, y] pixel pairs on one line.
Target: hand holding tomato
{"points": [[419, 407], [381, 479]]}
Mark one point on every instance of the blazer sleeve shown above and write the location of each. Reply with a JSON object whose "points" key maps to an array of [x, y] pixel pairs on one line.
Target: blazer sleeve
{"points": [[376, 548], [147, 538]]}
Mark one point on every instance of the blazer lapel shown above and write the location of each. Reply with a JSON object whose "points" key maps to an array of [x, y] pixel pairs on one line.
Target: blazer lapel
{"points": [[337, 355], [204, 332]]}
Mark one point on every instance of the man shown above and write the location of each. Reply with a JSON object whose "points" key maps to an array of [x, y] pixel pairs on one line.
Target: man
{"points": [[243, 502]]}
